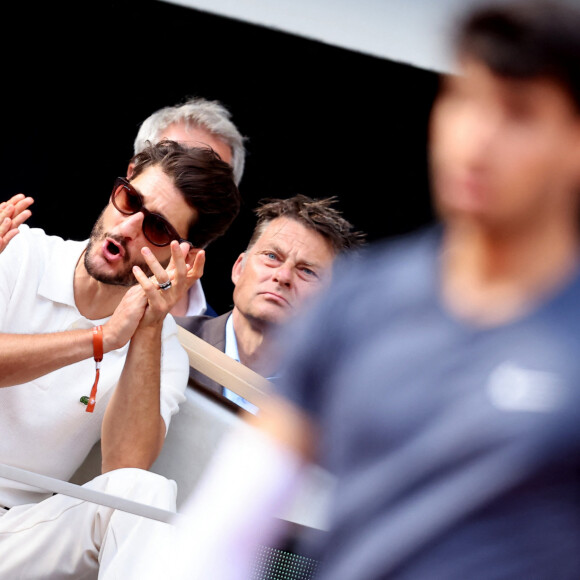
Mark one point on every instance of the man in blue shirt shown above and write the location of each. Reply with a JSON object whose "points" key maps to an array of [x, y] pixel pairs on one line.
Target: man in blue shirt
{"points": [[441, 372], [438, 380]]}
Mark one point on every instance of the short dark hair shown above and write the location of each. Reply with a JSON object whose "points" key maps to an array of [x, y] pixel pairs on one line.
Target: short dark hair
{"points": [[526, 39], [205, 181], [315, 214]]}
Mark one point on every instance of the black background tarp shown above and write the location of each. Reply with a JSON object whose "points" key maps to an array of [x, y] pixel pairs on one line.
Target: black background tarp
{"points": [[320, 120]]}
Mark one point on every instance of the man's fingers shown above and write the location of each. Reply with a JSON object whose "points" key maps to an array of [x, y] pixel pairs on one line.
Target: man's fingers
{"points": [[13, 200], [21, 218], [178, 264], [155, 267], [5, 225], [23, 205], [13, 213], [17, 209], [16, 203], [146, 283], [195, 270], [6, 238]]}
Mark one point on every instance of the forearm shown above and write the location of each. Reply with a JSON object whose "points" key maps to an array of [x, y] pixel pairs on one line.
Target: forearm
{"points": [[133, 429], [285, 423], [26, 357], [254, 476]]}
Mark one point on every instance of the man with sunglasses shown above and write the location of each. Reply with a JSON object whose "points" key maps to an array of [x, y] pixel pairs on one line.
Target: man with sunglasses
{"points": [[195, 122], [94, 313]]}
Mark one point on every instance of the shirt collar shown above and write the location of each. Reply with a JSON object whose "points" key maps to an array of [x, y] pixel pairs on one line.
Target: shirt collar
{"points": [[197, 303], [231, 342], [57, 282]]}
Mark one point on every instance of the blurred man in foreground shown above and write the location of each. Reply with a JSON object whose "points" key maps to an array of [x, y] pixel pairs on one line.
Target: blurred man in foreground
{"points": [[439, 379], [447, 396]]}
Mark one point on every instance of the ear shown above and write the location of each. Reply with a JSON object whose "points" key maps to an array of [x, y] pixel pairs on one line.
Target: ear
{"points": [[570, 157], [238, 268], [130, 170], [576, 152]]}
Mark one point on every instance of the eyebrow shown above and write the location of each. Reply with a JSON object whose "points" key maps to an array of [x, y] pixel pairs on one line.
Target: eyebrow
{"points": [[150, 211], [277, 250]]}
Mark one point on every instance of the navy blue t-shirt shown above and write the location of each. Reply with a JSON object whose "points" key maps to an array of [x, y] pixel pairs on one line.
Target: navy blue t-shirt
{"points": [[456, 448]]}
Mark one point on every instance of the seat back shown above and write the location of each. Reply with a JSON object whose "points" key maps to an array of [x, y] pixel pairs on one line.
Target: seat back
{"points": [[192, 438]]}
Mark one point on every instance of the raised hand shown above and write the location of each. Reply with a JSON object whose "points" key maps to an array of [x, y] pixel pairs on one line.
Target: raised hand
{"points": [[168, 285], [120, 328], [147, 304], [13, 213]]}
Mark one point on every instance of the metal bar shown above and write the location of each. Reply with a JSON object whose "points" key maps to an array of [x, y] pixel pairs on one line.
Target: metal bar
{"points": [[86, 494]]}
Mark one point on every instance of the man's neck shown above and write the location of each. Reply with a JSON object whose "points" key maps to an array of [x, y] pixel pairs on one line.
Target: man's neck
{"points": [[494, 277], [94, 299], [253, 338]]}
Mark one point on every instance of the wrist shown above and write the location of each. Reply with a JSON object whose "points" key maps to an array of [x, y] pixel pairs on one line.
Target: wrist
{"points": [[97, 335], [148, 335], [110, 341], [149, 329]]}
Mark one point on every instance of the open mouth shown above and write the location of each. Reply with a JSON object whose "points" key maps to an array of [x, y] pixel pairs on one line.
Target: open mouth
{"points": [[112, 249]]}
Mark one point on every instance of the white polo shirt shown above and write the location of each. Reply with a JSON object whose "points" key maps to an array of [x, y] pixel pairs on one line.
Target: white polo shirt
{"points": [[43, 425]]}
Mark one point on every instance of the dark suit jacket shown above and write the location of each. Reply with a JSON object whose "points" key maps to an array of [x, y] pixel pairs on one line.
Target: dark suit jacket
{"points": [[212, 329]]}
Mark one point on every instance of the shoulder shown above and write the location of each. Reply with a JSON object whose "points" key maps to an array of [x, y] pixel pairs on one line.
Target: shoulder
{"points": [[39, 241], [210, 328], [387, 268], [27, 237], [369, 287], [34, 250], [28, 234]]}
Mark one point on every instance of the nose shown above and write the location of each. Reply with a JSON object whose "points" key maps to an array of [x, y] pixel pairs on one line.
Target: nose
{"points": [[283, 275], [478, 132], [131, 226]]}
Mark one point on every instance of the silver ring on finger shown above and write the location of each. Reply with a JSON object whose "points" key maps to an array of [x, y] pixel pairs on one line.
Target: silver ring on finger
{"points": [[165, 285]]}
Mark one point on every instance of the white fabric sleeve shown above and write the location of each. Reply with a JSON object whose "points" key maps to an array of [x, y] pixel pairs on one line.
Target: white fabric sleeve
{"points": [[174, 371]]}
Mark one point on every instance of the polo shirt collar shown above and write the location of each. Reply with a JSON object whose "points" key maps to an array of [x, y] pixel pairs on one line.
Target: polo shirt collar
{"points": [[57, 282]]}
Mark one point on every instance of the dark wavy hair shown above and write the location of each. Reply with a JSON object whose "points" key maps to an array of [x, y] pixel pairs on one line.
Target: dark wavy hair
{"points": [[205, 181], [315, 214], [526, 39]]}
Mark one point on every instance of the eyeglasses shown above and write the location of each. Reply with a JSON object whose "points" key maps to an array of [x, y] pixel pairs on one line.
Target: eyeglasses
{"points": [[156, 228]]}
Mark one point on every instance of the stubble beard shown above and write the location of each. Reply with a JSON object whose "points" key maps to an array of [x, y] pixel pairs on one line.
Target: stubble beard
{"points": [[125, 276]]}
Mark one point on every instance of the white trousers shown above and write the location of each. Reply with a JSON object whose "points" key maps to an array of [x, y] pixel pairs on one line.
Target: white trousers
{"points": [[68, 538]]}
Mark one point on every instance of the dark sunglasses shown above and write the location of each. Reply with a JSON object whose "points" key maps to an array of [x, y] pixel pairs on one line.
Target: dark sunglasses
{"points": [[156, 228]]}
